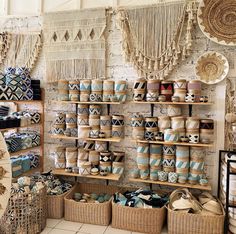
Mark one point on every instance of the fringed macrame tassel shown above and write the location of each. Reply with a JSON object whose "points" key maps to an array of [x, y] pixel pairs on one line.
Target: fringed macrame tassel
{"points": [[155, 65], [166, 72], [145, 63], [184, 53], [136, 53], [161, 63], [166, 58], [150, 64], [170, 66], [140, 58]]}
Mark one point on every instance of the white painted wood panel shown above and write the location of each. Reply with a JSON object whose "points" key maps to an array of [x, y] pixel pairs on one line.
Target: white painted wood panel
{"points": [[60, 5]]}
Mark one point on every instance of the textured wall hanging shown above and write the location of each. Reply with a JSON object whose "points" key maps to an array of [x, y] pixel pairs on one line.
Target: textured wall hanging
{"points": [[151, 36], [211, 68], [75, 47], [5, 175], [5, 39], [216, 19], [23, 50]]}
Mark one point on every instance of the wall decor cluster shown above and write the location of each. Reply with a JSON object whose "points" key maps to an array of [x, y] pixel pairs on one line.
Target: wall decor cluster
{"points": [[211, 67], [167, 91], [76, 41], [20, 49], [5, 175], [152, 49], [92, 90], [216, 19], [96, 160]]}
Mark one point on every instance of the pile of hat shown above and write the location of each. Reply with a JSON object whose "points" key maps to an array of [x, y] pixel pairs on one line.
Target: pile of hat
{"points": [[91, 198]]}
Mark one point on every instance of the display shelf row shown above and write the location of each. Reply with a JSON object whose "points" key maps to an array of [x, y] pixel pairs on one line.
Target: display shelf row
{"points": [[30, 172], [86, 139], [62, 172], [17, 128], [23, 101], [25, 151], [139, 102], [173, 143], [186, 185]]}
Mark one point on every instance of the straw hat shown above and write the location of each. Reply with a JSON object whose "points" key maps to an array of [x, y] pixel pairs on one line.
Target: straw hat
{"points": [[216, 19], [213, 206], [211, 67]]}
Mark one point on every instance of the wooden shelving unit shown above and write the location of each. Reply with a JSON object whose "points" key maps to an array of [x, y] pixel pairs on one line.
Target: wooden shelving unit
{"points": [[197, 186], [114, 177], [176, 103], [90, 103], [25, 150], [86, 139], [174, 143], [40, 103], [17, 128]]}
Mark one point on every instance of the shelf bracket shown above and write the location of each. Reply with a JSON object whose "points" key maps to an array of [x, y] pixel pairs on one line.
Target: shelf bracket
{"points": [[190, 109], [152, 110], [108, 109]]}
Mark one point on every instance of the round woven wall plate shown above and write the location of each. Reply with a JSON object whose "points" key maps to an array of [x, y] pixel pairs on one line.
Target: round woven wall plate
{"points": [[211, 68], [217, 20]]}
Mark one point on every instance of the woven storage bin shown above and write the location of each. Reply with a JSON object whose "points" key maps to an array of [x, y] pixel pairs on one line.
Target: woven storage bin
{"points": [[138, 219], [25, 213], [55, 205], [181, 223], [94, 213]]}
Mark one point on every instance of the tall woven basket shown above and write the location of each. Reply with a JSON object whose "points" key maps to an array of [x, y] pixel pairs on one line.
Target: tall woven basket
{"points": [[55, 205], [26, 213], [94, 213], [180, 223], [138, 219]]}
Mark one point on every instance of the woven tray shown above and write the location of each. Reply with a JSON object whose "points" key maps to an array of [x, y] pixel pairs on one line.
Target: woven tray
{"points": [[55, 205], [94, 213], [179, 223]]}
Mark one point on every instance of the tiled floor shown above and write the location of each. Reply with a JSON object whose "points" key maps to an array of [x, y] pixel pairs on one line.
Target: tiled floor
{"points": [[60, 226]]}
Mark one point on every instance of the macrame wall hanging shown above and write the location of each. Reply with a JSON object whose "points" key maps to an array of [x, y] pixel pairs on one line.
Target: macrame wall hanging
{"points": [[22, 50], [152, 36], [75, 44], [5, 39]]}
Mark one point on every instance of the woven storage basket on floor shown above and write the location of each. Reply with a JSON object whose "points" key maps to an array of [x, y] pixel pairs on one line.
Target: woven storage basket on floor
{"points": [[55, 205], [138, 219], [181, 223], [26, 213], [94, 213]]}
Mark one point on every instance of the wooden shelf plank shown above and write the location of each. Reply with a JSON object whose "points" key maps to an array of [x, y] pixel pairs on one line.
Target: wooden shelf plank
{"points": [[31, 171], [175, 103], [24, 151], [174, 143], [29, 126], [23, 101], [197, 186], [78, 102], [62, 172], [86, 139]]}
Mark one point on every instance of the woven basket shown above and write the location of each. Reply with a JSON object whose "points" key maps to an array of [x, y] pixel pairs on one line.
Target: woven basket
{"points": [[26, 213], [93, 213], [180, 223], [138, 219], [55, 205]]}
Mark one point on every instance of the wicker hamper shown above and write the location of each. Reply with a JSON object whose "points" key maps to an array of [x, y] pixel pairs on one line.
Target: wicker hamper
{"points": [[180, 223], [94, 213], [138, 219], [55, 205], [26, 213]]}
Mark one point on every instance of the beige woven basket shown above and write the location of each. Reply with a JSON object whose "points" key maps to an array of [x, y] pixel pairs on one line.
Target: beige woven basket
{"points": [[55, 205], [180, 223], [25, 213], [138, 219], [94, 213]]}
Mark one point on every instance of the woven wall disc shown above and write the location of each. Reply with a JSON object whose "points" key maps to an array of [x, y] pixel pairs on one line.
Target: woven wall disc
{"points": [[217, 20], [211, 68]]}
